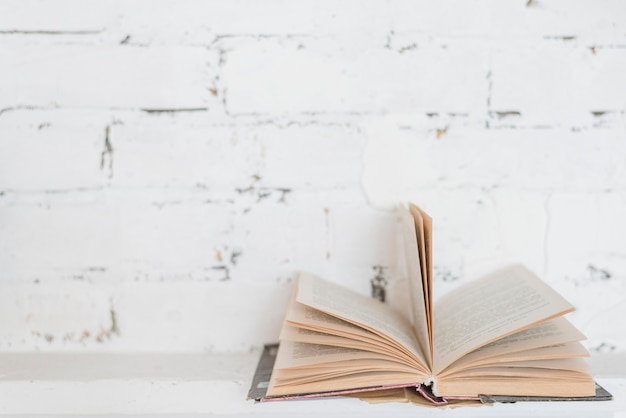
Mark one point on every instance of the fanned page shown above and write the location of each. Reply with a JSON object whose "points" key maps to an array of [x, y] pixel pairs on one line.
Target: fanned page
{"points": [[360, 310], [556, 338], [334, 339], [308, 325], [427, 253], [498, 305], [302, 368], [540, 377], [416, 288]]}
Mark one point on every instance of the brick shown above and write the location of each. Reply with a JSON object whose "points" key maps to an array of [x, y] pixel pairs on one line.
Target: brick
{"points": [[42, 151], [557, 85], [62, 16], [357, 236], [214, 317], [159, 152], [104, 77], [112, 236], [196, 22], [323, 233], [292, 157], [461, 238], [509, 20], [276, 239], [79, 316], [398, 159], [586, 233], [39, 316], [303, 77], [586, 261], [164, 152], [201, 21], [522, 222]]}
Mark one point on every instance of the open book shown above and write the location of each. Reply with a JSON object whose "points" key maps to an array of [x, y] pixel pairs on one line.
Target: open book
{"points": [[503, 334]]}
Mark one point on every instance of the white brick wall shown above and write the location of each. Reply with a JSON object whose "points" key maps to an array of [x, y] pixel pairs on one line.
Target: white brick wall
{"points": [[167, 167]]}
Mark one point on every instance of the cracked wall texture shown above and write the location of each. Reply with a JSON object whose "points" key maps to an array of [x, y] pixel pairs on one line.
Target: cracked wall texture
{"points": [[167, 167]]}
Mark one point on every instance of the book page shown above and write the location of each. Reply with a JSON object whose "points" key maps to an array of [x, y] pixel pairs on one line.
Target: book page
{"points": [[490, 308], [542, 383], [419, 318], [528, 368], [297, 355], [427, 223], [310, 368], [303, 335], [358, 334], [369, 313], [306, 324], [552, 352], [556, 331], [306, 317], [421, 249]]}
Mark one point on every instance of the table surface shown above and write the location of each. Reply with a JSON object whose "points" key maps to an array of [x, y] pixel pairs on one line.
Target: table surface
{"points": [[149, 384]]}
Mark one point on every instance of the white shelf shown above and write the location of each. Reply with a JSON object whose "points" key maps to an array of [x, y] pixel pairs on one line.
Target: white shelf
{"points": [[155, 383]]}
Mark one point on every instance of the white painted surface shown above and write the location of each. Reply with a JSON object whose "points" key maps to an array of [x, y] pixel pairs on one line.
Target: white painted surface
{"points": [[167, 167], [217, 384]]}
